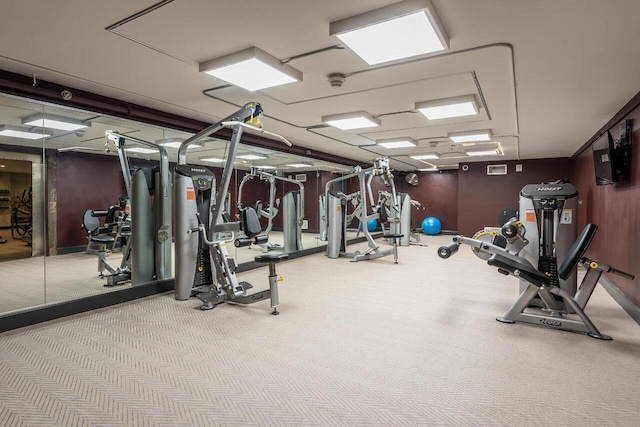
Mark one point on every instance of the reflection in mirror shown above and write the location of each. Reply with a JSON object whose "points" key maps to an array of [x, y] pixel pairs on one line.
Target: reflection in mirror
{"points": [[22, 211], [79, 177], [281, 187]]}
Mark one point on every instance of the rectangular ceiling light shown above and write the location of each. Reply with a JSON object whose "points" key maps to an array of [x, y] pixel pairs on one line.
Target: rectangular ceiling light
{"points": [[252, 69], [212, 159], [141, 150], [22, 132], [172, 142], [251, 157], [426, 156], [448, 107], [265, 167], [397, 31], [299, 165], [55, 122], [354, 120], [470, 136], [491, 152], [396, 143]]}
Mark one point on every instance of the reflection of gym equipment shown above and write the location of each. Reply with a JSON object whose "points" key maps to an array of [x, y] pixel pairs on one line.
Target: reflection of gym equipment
{"points": [[147, 254], [115, 224], [292, 210], [540, 284], [337, 219], [21, 217], [203, 264]]}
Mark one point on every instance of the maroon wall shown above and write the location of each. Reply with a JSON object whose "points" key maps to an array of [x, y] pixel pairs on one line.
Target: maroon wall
{"points": [[616, 210], [83, 181], [482, 197], [437, 192]]}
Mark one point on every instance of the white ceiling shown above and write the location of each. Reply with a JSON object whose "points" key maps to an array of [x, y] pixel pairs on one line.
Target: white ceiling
{"points": [[550, 73]]}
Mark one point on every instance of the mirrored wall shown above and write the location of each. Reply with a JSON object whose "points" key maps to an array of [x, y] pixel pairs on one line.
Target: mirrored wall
{"points": [[59, 176]]}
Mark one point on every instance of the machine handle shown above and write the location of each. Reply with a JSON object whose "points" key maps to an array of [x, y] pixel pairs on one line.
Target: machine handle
{"points": [[447, 250]]}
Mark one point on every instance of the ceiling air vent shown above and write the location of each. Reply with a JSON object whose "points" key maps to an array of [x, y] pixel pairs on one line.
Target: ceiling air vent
{"points": [[496, 169]]}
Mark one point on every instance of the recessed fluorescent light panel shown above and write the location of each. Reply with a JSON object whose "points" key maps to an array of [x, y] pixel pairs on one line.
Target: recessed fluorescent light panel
{"points": [[397, 31], [491, 152], [212, 159], [265, 167], [251, 157], [449, 107], [141, 150], [172, 142], [252, 69], [470, 136], [20, 132], [354, 120], [396, 143], [55, 122], [426, 156], [299, 165]]}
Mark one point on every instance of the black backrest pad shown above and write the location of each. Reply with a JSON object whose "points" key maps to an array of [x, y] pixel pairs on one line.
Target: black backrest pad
{"points": [[382, 211], [577, 251], [250, 222]]}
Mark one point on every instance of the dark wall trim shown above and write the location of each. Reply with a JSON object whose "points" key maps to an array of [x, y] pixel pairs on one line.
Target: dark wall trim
{"points": [[69, 308], [45, 91], [625, 111]]}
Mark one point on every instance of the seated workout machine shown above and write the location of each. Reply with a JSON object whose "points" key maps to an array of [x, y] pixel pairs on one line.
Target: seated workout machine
{"points": [[204, 267], [292, 210], [115, 224], [335, 213], [540, 284]]}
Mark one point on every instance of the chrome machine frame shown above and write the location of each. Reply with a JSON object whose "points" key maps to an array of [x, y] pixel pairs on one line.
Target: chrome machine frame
{"points": [[292, 241], [333, 215], [209, 272]]}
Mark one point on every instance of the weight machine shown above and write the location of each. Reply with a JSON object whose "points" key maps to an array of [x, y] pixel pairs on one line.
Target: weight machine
{"points": [[336, 218], [549, 294], [204, 267], [147, 253], [292, 210]]}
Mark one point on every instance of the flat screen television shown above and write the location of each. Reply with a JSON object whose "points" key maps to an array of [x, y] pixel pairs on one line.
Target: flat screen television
{"points": [[612, 158]]}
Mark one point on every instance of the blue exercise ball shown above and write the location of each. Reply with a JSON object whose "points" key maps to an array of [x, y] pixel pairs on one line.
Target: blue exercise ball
{"points": [[431, 226], [372, 225]]}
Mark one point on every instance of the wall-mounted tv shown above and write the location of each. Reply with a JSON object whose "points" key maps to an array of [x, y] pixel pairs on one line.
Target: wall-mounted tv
{"points": [[612, 158]]}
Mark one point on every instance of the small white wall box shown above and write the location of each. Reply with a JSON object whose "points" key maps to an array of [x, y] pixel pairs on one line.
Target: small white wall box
{"points": [[496, 169], [301, 177], [305, 224]]}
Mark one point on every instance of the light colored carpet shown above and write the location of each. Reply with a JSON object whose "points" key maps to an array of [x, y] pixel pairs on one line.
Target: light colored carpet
{"points": [[370, 343]]}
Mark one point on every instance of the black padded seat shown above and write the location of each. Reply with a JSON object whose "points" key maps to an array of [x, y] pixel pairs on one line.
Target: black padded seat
{"points": [[525, 271], [103, 239], [272, 258], [393, 236]]}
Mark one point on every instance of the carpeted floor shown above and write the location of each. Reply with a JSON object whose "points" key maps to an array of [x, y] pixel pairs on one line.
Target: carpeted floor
{"points": [[358, 344]]}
